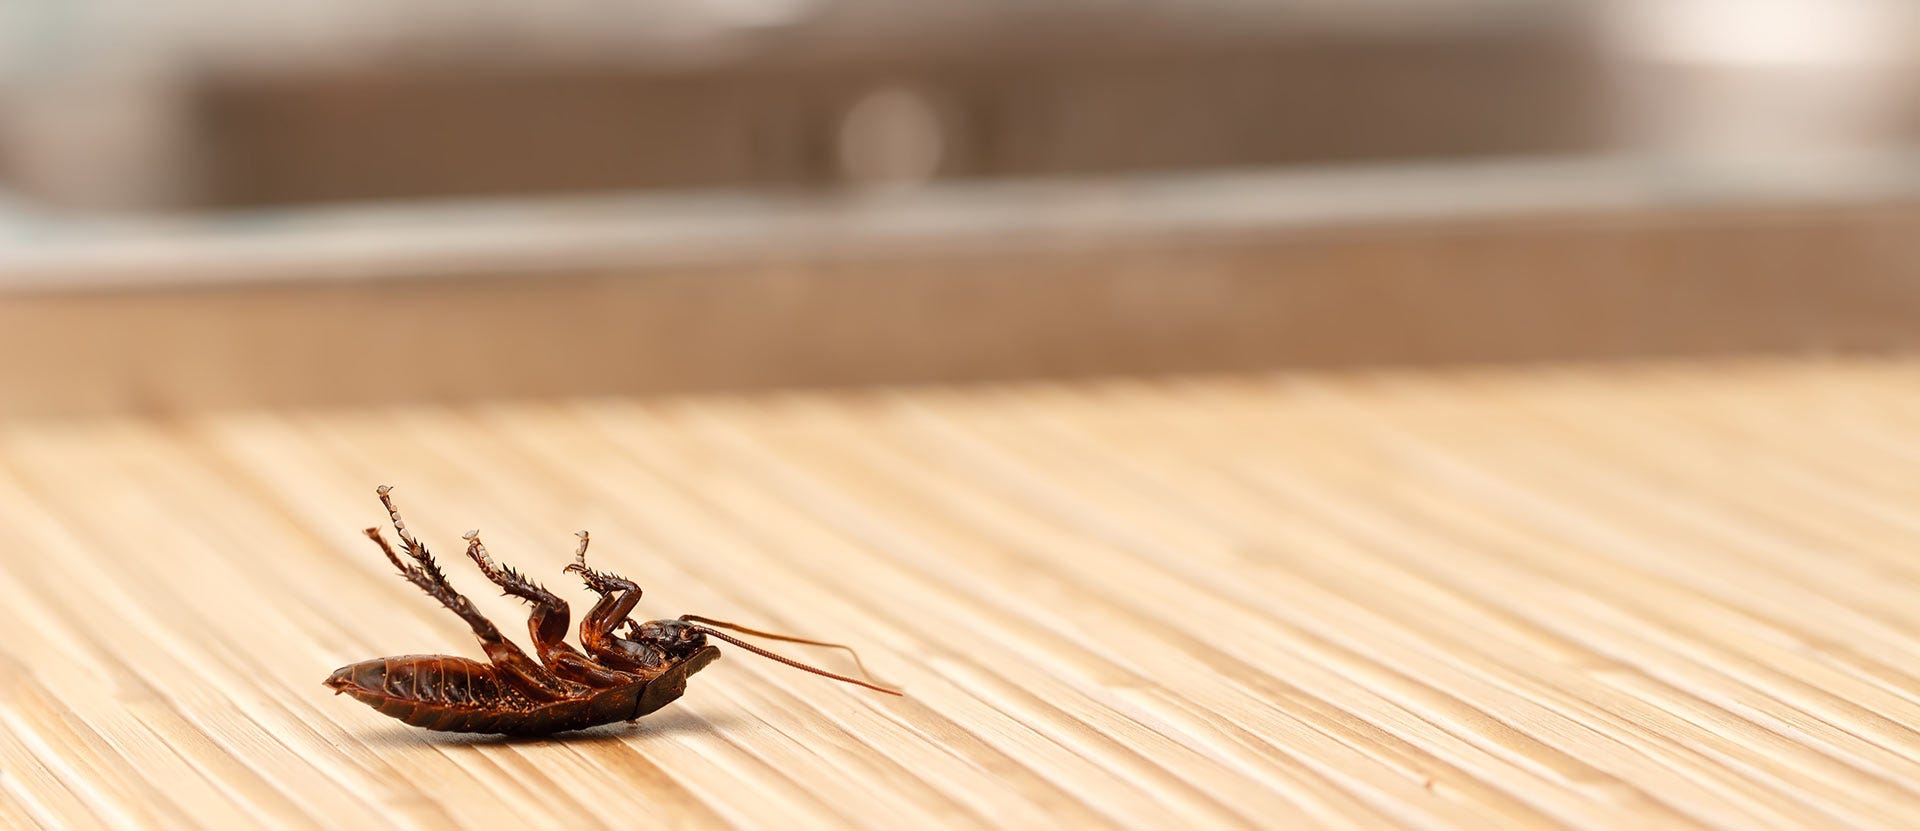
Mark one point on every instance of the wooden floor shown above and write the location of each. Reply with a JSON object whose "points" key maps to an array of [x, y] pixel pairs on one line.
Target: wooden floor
{"points": [[1628, 597]]}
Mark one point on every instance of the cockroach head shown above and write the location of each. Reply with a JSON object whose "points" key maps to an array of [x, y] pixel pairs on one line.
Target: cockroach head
{"points": [[675, 638]]}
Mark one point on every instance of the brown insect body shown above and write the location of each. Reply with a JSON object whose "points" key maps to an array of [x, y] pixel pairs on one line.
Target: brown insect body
{"points": [[616, 679], [441, 692]]}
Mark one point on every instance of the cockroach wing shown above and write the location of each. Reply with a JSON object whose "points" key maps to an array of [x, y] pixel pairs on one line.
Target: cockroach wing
{"points": [[672, 684]]}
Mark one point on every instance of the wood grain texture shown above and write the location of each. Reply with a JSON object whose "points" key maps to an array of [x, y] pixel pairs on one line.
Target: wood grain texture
{"points": [[1659, 596]]}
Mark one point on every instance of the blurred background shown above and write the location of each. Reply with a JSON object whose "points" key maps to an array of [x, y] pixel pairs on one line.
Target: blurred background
{"points": [[213, 202], [1454, 413]]}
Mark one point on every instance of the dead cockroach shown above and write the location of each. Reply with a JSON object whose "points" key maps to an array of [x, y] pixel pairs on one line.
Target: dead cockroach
{"points": [[618, 678]]}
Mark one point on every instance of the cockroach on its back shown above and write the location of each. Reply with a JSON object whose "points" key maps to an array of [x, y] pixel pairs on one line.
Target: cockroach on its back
{"points": [[616, 679]]}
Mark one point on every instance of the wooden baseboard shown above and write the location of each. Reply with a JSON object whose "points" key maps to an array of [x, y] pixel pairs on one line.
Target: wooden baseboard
{"points": [[1368, 266]]}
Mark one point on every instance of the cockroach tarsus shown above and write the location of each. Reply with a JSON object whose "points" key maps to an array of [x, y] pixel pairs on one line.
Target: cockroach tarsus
{"points": [[619, 677]]}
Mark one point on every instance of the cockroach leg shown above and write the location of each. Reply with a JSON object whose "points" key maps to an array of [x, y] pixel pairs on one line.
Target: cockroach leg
{"points": [[618, 597], [548, 622], [601, 582], [514, 664]]}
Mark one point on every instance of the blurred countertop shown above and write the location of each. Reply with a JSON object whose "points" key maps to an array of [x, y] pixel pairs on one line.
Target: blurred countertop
{"points": [[1372, 265]]}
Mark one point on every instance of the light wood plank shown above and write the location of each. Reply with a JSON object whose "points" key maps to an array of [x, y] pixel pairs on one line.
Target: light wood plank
{"points": [[1664, 595]]}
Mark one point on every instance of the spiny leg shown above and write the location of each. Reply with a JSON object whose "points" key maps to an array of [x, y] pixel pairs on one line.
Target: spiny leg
{"points": [[618, 596], [547, 624], [426, 574], [601, 582]]}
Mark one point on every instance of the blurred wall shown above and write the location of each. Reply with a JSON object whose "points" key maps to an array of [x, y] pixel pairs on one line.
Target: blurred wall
{"points": [[192, 103], [214, 103], [1137, 100], [1753, 80]]}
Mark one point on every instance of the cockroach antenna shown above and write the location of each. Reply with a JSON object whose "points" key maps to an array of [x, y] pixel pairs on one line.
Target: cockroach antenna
{"points": [[776, 636], [708, 630]]}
